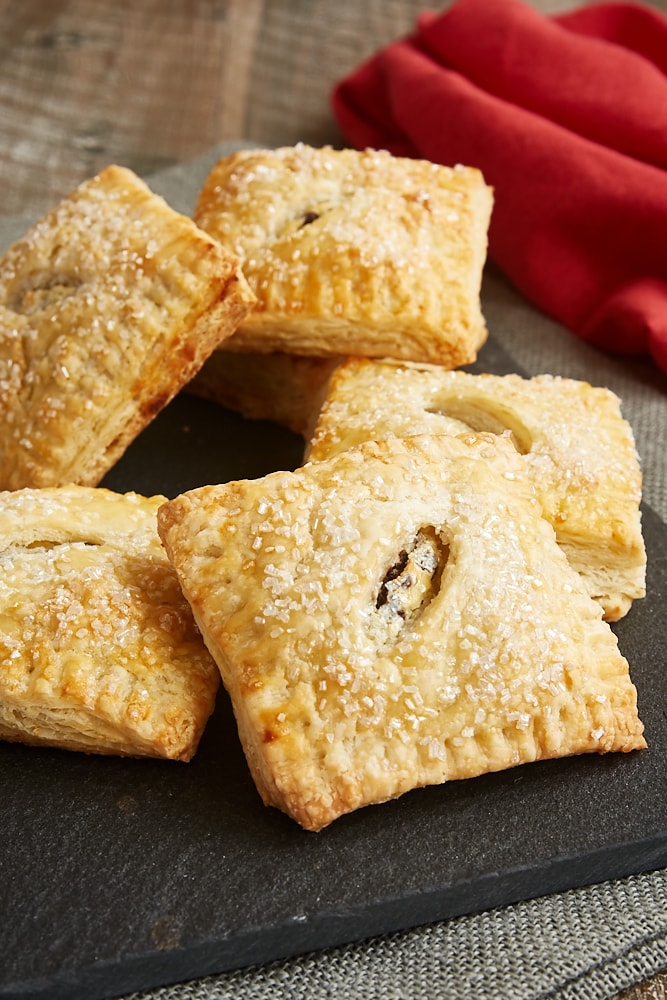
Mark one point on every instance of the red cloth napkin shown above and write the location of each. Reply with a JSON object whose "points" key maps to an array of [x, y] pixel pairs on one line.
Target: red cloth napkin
{"points": [[566, 116]]}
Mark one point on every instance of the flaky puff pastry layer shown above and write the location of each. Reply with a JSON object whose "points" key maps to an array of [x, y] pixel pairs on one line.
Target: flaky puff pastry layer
{"points": [[577, 448], [98, 647], [396, 616], [108, 305], [286, 388], [353, 252]]}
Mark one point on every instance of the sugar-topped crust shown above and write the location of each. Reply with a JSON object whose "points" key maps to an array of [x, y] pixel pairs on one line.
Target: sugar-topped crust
{"points": [[98, 647], [396, 616], [353, 252], [578, 450], [108, 305]]}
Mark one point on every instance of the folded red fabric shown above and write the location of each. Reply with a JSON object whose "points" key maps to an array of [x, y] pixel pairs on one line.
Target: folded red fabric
{"points": [[566, 116]]}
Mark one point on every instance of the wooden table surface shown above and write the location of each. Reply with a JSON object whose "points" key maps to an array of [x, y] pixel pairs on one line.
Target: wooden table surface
{"points": [[84, 83]]}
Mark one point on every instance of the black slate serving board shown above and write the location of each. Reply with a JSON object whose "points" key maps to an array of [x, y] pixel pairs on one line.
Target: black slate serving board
{"points": [[118, 875]]}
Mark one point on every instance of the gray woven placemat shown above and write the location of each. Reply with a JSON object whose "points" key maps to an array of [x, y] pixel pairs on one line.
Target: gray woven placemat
{"points": [[585, 944]]}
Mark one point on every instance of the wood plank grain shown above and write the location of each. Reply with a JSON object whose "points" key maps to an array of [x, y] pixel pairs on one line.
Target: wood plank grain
{"points": [[84, 83]]}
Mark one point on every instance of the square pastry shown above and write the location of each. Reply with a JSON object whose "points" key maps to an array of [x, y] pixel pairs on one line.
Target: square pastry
{"points": [[399, 615], [98, 647], [108, 305], [578, 451], [353, 252]]}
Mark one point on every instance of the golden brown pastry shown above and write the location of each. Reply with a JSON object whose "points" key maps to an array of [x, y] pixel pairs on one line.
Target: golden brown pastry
{"points": [[108, 305], [98, 648], [578, 450], [285, 388], [353, 252], [398, 615]]}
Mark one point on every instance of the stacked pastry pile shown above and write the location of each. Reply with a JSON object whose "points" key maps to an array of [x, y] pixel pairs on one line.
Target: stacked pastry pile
{"points": [[423, 600]]}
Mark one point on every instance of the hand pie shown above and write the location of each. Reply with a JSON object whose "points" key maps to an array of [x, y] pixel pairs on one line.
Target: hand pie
{"points": [[578, 451], [353, 252], [396, 616], [108, 306], [98, 647], [285, 388]]}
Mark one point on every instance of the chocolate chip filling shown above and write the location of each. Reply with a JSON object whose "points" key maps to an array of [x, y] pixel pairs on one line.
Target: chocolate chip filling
{"points": [[412, 582], [308, 217], [304, 217], [392, 574]]}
